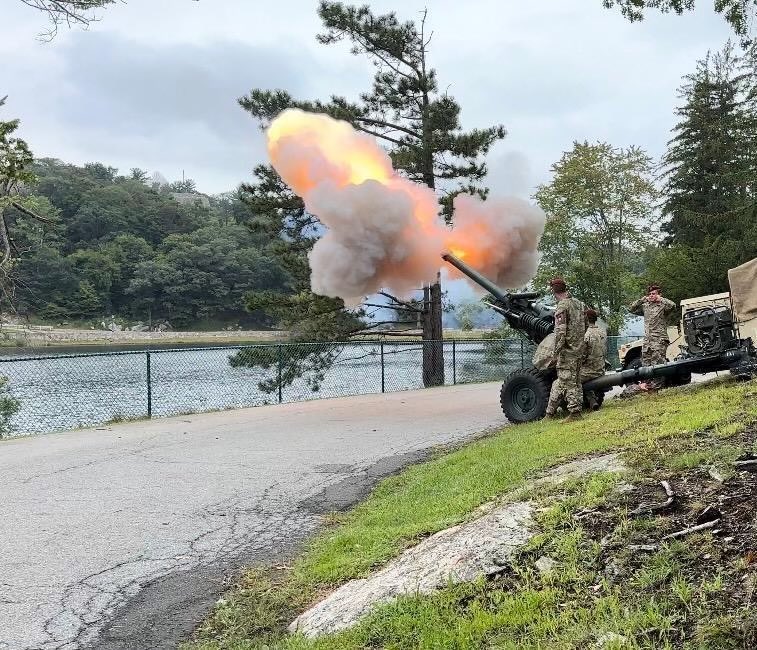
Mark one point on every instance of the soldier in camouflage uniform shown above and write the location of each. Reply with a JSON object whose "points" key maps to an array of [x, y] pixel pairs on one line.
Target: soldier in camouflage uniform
{"points": [[655, 310], [569, 337], [594, 354]]}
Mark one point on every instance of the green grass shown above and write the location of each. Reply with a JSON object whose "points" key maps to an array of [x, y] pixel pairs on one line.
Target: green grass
{"points": [[559, 610]]}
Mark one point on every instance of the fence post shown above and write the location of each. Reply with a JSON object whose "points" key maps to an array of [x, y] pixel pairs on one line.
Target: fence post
{"points": [[381, 347], [454, 364], [280, 364], [149, 386]]}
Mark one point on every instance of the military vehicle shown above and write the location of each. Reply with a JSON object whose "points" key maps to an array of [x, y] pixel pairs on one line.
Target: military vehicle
{"points": [[711, 341], [743, 281]]}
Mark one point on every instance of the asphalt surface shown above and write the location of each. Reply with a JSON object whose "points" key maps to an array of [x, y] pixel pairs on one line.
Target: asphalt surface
{"points": [[123, 537]]}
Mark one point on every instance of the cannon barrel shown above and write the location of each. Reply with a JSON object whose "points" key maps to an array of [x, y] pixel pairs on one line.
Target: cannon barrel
{"points": [[515, 307], [708, 363], [479, 279]]}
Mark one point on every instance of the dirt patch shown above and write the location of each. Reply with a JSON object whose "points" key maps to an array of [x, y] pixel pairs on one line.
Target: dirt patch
{"points": [[699, 522]]}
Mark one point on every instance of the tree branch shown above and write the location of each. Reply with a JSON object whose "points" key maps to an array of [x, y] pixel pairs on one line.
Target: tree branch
{"points": [[398, 301], [30, 213], [389, 125], [382, 136]]}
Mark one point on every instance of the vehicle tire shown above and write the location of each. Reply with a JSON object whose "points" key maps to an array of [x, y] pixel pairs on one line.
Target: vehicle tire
{"points": [[679, 380], [600, 396], [525, 394], [633, 364]]}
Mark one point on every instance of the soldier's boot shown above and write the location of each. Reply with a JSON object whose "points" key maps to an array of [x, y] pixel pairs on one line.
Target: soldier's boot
{"points": [[550, 416], [572, 417], [591, 400]]}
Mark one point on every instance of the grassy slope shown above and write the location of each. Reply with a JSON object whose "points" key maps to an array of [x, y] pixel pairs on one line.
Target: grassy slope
{"points": [[531, 610]]}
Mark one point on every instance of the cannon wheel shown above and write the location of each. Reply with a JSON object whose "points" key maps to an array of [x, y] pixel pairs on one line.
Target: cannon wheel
{"points": [[600, 395], [525, 394]]}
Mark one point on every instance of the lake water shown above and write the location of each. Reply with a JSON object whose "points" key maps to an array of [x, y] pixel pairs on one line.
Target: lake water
{"points": [[58, 390]]}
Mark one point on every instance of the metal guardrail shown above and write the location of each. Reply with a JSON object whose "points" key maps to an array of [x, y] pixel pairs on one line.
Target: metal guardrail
{"points": [[64, 391]]}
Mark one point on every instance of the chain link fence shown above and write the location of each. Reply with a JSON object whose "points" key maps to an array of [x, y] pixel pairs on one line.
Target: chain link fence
{"points": [[67, 391]]}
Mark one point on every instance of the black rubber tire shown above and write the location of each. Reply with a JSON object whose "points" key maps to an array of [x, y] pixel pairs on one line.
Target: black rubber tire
{"points": [[525, 394], [634, 363], [679, 380], [600, 395]]}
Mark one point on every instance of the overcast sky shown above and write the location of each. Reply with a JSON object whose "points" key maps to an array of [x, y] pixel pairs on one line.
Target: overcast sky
{"points": [[154, 83]]}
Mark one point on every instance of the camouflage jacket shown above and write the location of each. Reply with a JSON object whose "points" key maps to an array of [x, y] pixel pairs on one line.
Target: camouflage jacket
{"points": [[570, 326], [595, 351], [655, 316]]}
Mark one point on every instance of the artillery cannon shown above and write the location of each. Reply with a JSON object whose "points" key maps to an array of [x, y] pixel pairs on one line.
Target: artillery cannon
{"points": [[711, 334]]}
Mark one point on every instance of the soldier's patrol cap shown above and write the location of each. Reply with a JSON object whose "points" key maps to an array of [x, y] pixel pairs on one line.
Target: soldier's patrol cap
{"points": [[558, 284], [591, 314], [653, 287]]}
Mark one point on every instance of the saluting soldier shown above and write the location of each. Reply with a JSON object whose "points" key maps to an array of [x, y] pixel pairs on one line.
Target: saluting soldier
{"points": [[594, 355], [569, 337], [655, 310]]}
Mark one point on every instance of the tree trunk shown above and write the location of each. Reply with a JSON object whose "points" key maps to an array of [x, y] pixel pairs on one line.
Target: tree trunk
{"points": [[433, 346]]}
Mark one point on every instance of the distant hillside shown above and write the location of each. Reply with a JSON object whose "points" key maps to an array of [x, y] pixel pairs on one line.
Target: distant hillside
{"points": [[136, 248]]}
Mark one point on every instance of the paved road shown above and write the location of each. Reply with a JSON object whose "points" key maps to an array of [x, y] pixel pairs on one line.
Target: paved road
{"points": [[121, 537]]}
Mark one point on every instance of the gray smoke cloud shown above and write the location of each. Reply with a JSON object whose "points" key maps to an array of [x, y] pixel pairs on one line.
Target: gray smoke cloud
{"points": [[383, 230]]}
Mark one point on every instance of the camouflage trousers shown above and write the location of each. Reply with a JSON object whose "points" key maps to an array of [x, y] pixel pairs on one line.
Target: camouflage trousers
{"points": [[653, 353], [584, 376], [566, 387]]}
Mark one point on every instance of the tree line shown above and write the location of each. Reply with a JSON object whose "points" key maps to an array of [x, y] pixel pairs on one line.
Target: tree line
{"points": [[618, 220], [119, 245]]}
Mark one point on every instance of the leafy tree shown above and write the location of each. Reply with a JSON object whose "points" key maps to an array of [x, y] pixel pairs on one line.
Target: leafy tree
{"points": [[86, 302], [203, 274], [137, 174], [183, 186], [125, 253], [47, 279], [15, 175], [98, 270], [135, 248], [599, 206], [738, 13], [406, 111], [710, 179], [9, 406]]}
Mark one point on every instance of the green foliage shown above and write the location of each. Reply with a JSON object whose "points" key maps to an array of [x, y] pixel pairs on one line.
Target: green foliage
{"points": [[710, 179], [114, 246], [293, 361], [738, 13], [9, 406], [15, 160], [202, 274], [599, 206]]}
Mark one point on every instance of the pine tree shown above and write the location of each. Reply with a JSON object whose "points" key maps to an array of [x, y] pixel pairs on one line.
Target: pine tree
{"points": [[710, 179], [405, 110]]}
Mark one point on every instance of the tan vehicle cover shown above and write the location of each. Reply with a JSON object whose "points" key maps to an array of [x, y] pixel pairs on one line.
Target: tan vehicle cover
{"points": [[743, 281]]}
